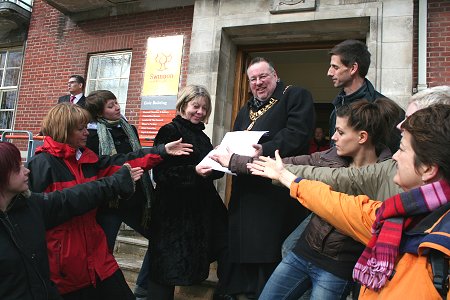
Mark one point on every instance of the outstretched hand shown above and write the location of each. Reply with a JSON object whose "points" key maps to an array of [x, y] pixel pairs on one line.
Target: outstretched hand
{"points": [[178, 148], [267, 167], [258, 150], [136, 173], [203, 171], [222, 157]]}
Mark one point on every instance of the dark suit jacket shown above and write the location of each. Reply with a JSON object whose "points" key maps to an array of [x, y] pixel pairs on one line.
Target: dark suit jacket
{"points": [[66, 98]]}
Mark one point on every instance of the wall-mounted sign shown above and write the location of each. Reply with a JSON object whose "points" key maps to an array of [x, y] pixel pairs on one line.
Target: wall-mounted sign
{"points": [[161, 80], [290, 6]]}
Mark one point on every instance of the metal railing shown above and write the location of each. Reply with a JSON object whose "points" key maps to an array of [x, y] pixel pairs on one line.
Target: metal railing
{"points": [[24, 140]]}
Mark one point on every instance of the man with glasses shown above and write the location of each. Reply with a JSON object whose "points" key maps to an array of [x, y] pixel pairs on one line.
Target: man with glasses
{"points": [[76, 87], [261, 215]]}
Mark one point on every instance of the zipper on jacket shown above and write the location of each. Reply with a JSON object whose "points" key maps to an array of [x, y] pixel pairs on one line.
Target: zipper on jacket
{"points": [[58, 259]]}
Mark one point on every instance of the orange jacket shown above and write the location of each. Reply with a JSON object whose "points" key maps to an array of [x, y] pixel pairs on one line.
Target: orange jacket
{"points": [[354, 215]]}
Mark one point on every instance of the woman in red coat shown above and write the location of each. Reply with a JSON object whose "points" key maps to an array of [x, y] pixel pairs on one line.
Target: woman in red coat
{"points": [[80, 264]]}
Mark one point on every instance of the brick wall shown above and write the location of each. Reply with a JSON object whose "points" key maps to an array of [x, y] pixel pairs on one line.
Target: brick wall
{"points": [[57, 47], [438, 56], [438, 47]]}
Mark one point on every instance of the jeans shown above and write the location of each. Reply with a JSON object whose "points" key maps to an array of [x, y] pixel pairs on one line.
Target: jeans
{"points": [[294, 276]]}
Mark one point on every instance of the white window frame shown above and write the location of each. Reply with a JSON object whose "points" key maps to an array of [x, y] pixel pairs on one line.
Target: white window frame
{"points": [[11, 87], [93, 80]]}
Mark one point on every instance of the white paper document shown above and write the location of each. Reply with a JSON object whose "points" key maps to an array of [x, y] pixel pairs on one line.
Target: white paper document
{"points": [[239, 142]]}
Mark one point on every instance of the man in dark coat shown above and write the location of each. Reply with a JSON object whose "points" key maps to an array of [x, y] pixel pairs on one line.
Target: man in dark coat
{"points": [[76, 86], [349, 64], [261, 215]]}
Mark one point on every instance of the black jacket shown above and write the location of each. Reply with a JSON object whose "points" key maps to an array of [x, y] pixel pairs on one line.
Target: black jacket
{"points": [[322, 244], [66, 98], [24, 269], [261, 215], [368, 92], [188, 225]]}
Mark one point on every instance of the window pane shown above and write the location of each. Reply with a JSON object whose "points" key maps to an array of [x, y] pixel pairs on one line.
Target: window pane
{"points": [[9, 100], [6, 119], [93, 68], [110, 71], [108, 84], [110, 67], [2, 59], [126, 62], [90, 86], [11, 77], [14, 59], [123, 89]]}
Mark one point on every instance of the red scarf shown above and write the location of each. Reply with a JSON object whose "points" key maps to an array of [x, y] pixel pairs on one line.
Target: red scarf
{"points": [[376, 263]]}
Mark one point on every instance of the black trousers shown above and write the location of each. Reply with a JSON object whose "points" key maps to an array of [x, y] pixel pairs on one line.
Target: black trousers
{"points": [[158, 291], [112, 288]]}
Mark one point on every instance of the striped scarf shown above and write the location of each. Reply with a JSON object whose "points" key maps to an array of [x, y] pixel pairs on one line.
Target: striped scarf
{"points": [[376, 264], [107, 147]]}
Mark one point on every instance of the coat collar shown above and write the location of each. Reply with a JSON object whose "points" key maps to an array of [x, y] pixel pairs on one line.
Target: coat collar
{"points": [[366, 91], [65, 151]]}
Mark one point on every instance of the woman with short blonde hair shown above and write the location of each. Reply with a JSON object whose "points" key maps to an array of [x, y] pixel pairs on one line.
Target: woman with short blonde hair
{"points": [[81, 265]]}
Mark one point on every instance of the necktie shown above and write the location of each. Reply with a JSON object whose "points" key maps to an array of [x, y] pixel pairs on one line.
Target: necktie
{"points": [[72, 98]]}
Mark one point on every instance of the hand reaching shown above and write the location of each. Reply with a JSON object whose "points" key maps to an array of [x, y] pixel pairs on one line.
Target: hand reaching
{"points": [[222, 157], [267, 167], [136, 173], [258, 150], [203, 171], [178, 148]]}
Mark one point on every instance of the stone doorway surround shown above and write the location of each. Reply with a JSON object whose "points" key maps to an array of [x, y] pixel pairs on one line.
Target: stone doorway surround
{"points": [[221, 28]]}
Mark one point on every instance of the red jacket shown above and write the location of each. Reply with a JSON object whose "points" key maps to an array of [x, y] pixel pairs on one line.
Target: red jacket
{"points": [[77, 250]]}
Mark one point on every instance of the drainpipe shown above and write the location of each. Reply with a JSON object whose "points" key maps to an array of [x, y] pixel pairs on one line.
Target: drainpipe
{"points": [[422, 46]]}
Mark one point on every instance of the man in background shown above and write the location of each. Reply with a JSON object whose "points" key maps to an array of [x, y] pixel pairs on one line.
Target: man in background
{"points": [[319, 142], [349, 64], [76, 86]]}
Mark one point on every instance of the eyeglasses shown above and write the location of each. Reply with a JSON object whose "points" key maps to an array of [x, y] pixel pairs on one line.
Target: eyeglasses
{"points": [[261, 77]]}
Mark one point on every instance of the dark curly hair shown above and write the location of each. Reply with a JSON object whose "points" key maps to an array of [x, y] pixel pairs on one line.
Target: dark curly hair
{"points": [[430, 132]]}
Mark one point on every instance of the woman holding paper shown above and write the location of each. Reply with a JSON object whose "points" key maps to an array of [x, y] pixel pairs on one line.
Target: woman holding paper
{"points": [[188, 222]]}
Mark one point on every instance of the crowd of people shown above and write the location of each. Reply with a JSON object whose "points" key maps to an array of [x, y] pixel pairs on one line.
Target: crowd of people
{"points": [[363, 213]]}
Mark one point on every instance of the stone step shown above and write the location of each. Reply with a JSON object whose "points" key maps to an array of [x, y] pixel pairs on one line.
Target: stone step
{"points": [[134, 245], [129, 253], [130, 266]]}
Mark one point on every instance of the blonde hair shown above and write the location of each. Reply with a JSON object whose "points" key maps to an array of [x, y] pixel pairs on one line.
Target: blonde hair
{"points": [[191, 92], [62, 119]]}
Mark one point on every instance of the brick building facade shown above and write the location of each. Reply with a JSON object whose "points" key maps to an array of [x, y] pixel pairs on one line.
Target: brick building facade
{"points": [[57, 48], [214, 33]]}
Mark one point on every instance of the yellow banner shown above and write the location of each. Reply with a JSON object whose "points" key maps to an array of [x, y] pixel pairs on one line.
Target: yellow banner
{"points": [[163, 65]]}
